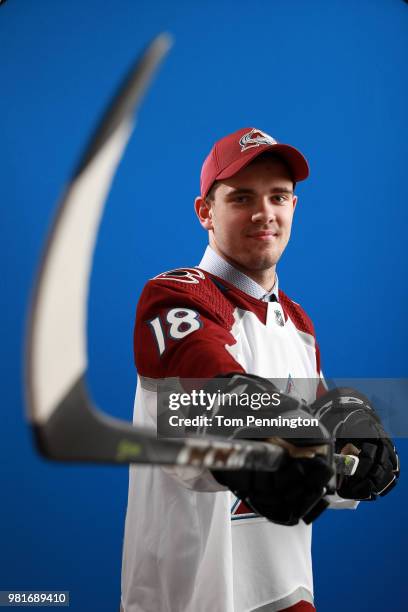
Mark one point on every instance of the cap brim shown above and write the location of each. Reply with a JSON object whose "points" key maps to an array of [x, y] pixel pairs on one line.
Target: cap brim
{"points": [[297, 163]]}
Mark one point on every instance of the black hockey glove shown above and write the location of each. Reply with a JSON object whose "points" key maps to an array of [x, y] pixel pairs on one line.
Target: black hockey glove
{"points": [[288, 494], [357, 429]]}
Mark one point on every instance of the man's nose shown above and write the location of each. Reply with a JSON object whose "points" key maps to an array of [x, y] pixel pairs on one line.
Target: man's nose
{"points": [[264, 212]]}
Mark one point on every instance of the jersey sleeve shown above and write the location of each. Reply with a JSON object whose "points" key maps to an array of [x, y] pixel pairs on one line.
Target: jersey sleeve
{"points": [[183, 329]]}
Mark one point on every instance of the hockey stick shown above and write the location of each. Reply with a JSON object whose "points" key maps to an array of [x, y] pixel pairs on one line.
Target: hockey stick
{"points": [[65, 423]]}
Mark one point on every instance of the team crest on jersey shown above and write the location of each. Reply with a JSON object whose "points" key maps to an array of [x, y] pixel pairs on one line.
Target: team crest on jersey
{"points": [[182, 275], [240, 511], [255, 138]]}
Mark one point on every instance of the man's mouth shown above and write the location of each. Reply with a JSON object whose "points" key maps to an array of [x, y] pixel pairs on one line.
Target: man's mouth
{"points": [[264, 235]]}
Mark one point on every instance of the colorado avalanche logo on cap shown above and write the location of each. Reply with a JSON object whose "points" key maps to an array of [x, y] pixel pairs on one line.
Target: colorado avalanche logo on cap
{"points": [[255, 138]]}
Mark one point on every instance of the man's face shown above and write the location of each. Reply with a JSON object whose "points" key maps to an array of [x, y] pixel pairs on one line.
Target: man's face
{"points": [[250, 218]]}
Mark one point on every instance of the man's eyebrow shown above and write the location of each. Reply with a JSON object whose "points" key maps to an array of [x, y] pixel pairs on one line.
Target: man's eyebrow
{"points": [[282, 190], [241, 190], [248, 190]]}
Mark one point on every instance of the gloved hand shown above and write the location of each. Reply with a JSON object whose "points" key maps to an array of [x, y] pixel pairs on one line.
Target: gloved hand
{"points": [[288, 494], [357, 429]]}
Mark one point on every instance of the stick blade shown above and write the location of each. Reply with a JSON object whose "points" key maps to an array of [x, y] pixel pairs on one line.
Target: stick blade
{"points": [[56, 340]]}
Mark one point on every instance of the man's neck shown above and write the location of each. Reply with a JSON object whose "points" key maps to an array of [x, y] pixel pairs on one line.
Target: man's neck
{"points": [[264, 278]]}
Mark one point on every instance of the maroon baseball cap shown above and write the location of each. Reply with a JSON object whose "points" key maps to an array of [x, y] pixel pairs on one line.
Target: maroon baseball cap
{"points": [[235, 151]]}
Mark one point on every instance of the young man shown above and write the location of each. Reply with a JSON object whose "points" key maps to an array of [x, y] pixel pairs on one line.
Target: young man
{"points": [[190, 544]]}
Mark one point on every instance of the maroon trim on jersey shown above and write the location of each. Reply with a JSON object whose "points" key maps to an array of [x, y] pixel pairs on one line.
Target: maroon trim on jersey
{"points": [[318, 360], [295, 312], [300, 606], [321, 390]]}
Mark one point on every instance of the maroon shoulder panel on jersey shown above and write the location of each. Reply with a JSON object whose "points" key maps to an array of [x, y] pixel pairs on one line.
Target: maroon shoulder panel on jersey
{"points": [[298, 316], [195, 284], [183, 327]]}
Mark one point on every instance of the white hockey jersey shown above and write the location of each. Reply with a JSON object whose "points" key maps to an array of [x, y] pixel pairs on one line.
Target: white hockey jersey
{"points": [[190, 545]]}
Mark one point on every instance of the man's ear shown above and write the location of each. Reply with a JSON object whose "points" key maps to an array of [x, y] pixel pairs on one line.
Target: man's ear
{"points": [[295, 201], [204, 212]]}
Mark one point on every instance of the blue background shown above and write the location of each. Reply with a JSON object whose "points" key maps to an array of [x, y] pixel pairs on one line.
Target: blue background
{"points": [[326, 76]]}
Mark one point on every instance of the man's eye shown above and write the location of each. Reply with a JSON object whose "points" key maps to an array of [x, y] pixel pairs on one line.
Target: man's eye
{"points": [[280, 199], [242, 199]]}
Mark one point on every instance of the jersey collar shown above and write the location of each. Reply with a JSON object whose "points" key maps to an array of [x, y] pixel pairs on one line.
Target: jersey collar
{"points": [[215, 264]]}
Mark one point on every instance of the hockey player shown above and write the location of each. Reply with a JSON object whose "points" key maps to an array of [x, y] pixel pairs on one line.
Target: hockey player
{"points": [[191, 545]]}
